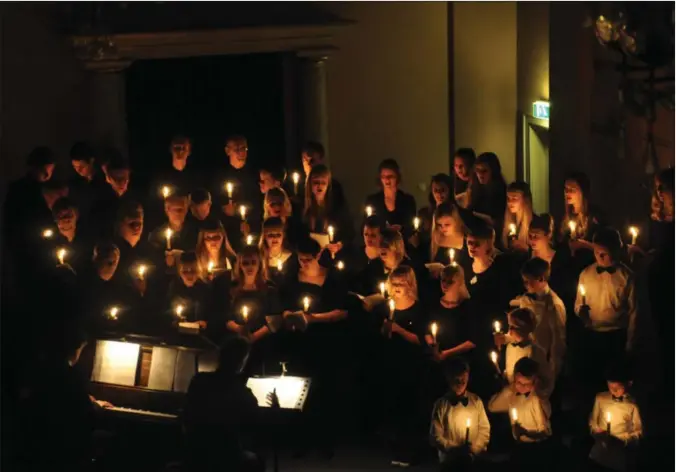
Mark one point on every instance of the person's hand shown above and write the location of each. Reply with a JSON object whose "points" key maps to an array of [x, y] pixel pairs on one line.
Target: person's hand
{"points": [[577, 244], [414, 240], [141, 286], [499, 339], [518, 245], [244, 228], [585, 314], [334, 248], [518, 430], [171, 256], [309, 317], [230, 209], [634, 250], [104, 404], [437, 355], [202, 323], [272, 399]]}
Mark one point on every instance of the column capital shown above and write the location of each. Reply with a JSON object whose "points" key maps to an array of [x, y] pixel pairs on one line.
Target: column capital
{"points": [[99, 54], [318, 55]]}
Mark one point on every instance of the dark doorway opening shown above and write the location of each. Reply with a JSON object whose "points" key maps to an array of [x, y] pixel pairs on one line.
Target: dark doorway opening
{"points": [[207, 99]]}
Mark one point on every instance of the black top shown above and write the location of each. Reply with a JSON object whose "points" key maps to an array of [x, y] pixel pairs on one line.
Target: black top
{"points": [[403, 214], [491, 200], [84, 192], [413, 319], [493, 289], [260, 303], [455, 325]]}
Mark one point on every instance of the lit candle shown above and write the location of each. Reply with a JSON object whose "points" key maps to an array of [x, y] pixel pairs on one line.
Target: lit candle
{"points": [[280, 265], [515, 415], [47, 234], [369, 211], [210, 267], [433, 329], [229, 188], [416, 223], [61, 255], [496, 327], [331, 230], [245, 313], [583, 294], [166, 191], [392, 308], [113, 312], [306, 304], [296, 178], [451, 256], [608, 418], [468, 424], [512, 229], [340, 265], [242, 212], [382, 288], [141, 271], [249, 240], [167, 234], [572, 226], [494, 359], [633, 230], [179, 310]]}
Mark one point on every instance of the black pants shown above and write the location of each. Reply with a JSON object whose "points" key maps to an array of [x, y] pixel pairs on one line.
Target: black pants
{"points": [[527, 457], [456, 460]]}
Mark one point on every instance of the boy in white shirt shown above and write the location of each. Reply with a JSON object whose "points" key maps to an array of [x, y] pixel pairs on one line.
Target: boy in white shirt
{"points": [[529, 416], [615, 424], [519, 343], [460, 429]]}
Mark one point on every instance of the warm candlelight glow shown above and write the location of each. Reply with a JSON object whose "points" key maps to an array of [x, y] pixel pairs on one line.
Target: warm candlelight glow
{"points": [[295, 177], [340, 265], [245, 313], [497, 327], [468, 423], [61, 255], [141, 271], [392, 307], [306, 304], [451, 255], [512, 229], [515, 415], [280, 265], [382, 288], [167, 234], [242, 212], [494, 357], [166, 191], [331, 230], [228, 188], [433, 329], [416, 223], [210, 267], [369, 211], [48, 233], [609, 417], [633, 230], [179, 310], [113, 312], [572, 226], [583, 291], [249, 240]]}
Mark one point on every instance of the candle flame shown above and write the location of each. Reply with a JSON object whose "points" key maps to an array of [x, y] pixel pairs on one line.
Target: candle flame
{"points": [[249, 240], [434, 328], [494, 357], [515, 415], [633, 230], [306, 303], [392, 305], [228, 188], [416, 223], [512, 229], [572, 226], [280, 265], [469, 422], [496, 326], [113, 312], [168, 233], [166, 191], [382, 288], [296, 177], [242, 211], [245, 312], [179, 310], [142, 270], [583, 291], [210, 267], [61, 255], [48, 233], [369, 211], [451, 255], [609, 417], [331, 230], [340, 265]]}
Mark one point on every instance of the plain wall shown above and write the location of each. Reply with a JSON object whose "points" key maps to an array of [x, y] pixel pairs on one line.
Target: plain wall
{"points": [[388, 95], [485, 79]]}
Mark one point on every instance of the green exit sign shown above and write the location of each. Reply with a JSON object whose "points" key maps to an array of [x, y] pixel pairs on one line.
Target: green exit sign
{"points": [[541, 110]]}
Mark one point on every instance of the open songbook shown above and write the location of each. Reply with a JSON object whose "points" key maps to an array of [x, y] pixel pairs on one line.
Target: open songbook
{"points": [[321, 238], [295, 321], [291, 391], [435, 268], [369, 301]]}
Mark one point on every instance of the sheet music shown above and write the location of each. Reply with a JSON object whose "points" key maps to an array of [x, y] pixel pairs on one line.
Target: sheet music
{"points": [[291, 391], [115, 362], [162, 367], [185, 370], [322, 239]]}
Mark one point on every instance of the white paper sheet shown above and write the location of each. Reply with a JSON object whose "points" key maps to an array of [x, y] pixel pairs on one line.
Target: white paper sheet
{"points": [[115, 362], [291, 391]]}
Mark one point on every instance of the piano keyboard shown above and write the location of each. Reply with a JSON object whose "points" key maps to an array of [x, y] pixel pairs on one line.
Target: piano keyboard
{"points": [[152, 414]]}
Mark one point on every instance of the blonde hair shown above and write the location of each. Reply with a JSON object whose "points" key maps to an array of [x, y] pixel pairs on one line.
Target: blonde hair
{"points": [[452, 272], [202, 252], [312, 210], [278, 192], [443, 210], [270, 224], [521, 220], [395, 241], [238, 273], [408, 275]]}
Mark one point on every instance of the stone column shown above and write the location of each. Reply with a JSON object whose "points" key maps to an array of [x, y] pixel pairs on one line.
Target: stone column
{"points": [[109, 111], [314, 98]]}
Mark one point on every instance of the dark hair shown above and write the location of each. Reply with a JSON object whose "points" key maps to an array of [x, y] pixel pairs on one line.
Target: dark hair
{"points": [[493, 162], [526, 367], [313, 149], [180, 139], [188, 257], [232, 354], [104, 249], [543, 222], [211, 223], [478, 227], [666, 178], [53, 185], [200, 195], [389, 236], [72, 337], [81, 151], [308, 246], [115, 160], [582, 180], [273, 222], [467, 154], [129, 208], [443, 179], [618, 372], [62, 204], [278, 173], [390, 164], [523, 320], [520, 186], [455, 367], [235, 138], [178, 193], [536, 268], [374, 221], [610, 239], [40, 156]]}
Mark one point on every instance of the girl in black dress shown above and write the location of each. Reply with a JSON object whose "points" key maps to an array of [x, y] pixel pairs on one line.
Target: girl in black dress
{"points": [[214, 253], [448, 238], [441, 191], [279, 262], [391, 204], [488, 195], [463, 175], [518, 215], [278, 205]]}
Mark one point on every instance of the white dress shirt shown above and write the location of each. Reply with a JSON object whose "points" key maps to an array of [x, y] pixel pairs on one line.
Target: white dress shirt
{"points": [[532, 412], [625, 425], [449, 424], [533, 351], [611, 299], [550, 329]]}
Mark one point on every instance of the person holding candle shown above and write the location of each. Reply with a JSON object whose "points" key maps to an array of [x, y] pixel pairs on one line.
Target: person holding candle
{"points": [[392, 204], [277, 204], [214, 253], [448, 232], [88, 180], [518, 215], [269, 178], [441, 187], [312, 154], [129, 237], [69, 235], [608, 309], [173, 236], [529, 415], [464, 176], [200, 205], [369, 254], [615, 424], [459, 430], [278, 260]]}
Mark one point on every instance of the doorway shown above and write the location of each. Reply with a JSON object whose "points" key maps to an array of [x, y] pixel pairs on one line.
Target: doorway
{"points": [[536, 161]]}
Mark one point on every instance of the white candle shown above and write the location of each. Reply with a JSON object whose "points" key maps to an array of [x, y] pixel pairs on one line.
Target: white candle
{"points": [[467, 424], [113, 312], [331, 230], [167, 234], [369, 211], [245, 313], [296, 178], [249, 240], [242, 212], [141, 271], [572, 226], [633, 230], [583, 294], [512, 229], [392, 308], [229, 188], [609, 417], [166, 191], [433, 329], [496, 327], [306, 304], [179, 310], [210, 267], [47, 234], [280, 265], [451, 256], [382, 288], [340, 265], [61, 255], [515, 415], [494, 360], [416, 223]]}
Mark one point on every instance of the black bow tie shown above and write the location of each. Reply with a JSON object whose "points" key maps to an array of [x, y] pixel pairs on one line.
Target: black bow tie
{"points": [[610, 270], [532, 296], [524, 394], [521, 344], [464, 401], [618, 399]]}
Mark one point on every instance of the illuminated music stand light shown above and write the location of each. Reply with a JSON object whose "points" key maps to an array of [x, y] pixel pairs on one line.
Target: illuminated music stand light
{"points": [[291, 391]]}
